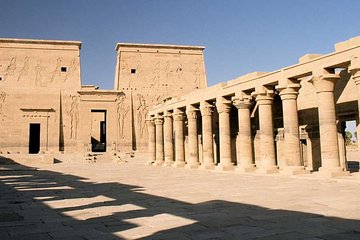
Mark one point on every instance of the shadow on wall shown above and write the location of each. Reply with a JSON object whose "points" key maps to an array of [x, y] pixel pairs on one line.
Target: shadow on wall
{"points": [[37, 204]]}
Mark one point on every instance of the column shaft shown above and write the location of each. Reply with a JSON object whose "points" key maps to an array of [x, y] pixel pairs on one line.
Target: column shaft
{"points": [[179, 139], [207, 137], [159, 141], [225, 137], [151, 143], [193, 161], [168, 140]]}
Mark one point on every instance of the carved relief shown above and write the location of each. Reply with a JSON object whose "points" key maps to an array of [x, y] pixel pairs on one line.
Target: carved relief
{"points": [[197, 74], [168, 72], [142, 112], [124, 68], [179, 71], [10, 69], [74, 117], [56, 72], [25, 69], [38, 74], [122, 112], [2, 101], [156, 75], [72, 69]]}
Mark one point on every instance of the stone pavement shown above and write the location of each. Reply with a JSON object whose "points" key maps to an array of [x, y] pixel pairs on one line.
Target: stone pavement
{"points": [[134, 201]]}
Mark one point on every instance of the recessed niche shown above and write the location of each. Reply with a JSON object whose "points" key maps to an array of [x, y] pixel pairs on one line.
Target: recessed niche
{"points": [[133, 71], [63, 69]]}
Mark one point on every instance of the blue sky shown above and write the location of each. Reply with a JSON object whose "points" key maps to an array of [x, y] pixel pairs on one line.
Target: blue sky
{"points": [[240, 36]]}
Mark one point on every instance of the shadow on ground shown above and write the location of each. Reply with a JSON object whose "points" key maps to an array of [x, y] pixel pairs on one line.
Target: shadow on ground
{"points": [[37, 204]]}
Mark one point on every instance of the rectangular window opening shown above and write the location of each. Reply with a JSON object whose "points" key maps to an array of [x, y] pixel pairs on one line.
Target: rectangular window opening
{"points": [[133, 71], [63, 69]]}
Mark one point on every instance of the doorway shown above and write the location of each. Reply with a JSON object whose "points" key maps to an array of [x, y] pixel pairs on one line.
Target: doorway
{"points": [[34, 138], [98, 130]]}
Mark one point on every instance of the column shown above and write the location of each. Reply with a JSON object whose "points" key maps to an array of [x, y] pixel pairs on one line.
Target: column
{"points": [[224, 108], [192, 116], [159, 122], [288, 95], [330, 162], [151, 143], [207, 135], [168, 139], [355, 71], [264, 100], [178, 117], [244, 148]]}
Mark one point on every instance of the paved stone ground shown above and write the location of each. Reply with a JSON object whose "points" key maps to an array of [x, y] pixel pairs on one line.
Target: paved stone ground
{"points": [[134, 201]]}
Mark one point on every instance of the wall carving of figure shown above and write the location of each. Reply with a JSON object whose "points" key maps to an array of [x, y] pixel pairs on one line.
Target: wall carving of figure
{"points": [[25, 69], [179, 71], [197, 76], [141, 114], [168, 72], [11, 67], [156, 75], [2, 101], [38, 74], [122, 111], [72, 69], [56, 72], [74, 116]]}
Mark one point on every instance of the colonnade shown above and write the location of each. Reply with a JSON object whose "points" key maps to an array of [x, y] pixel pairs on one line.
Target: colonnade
{"points": [[166, 129]]}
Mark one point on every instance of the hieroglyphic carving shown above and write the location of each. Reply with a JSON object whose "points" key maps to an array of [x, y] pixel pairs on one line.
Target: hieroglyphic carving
{"points": [[168, 72], [179, 71], [74, 116], [56, 72], [25, 69], [122, 112], [197, 76], [156, 75], [72, 69], [2, 101], [10, 69], [142, 112], [38, 74], [124, 68]]}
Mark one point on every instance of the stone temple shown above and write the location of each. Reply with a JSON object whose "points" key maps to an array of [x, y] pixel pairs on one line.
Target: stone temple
{"points": [[290, 120]]}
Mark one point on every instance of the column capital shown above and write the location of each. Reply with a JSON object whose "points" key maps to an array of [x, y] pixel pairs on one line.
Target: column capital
{"points": [[206, 109], [178, 115], [243, 102], [159, 120], [354, 69], [192, 112], [149, 121], [289, 91], [263, 95], [167, 114], [223, 106], [325, 82]]}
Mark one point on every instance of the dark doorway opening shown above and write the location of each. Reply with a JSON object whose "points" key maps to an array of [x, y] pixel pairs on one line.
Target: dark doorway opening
{"points": [[34, 138], [98, 132]]}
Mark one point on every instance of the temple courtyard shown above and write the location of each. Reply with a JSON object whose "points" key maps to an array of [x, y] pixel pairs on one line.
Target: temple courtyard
{"points": [[107, 200]]}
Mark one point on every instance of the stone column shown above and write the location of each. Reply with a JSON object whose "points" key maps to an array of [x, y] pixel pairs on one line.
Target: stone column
{"points": [[151, 143], [355, 71], [330, 162], [264, 100], [159, 122], [192, 116], [168, 139], [244, 148], [207, 135], [288, 96], [178, 117], [224, 108]]}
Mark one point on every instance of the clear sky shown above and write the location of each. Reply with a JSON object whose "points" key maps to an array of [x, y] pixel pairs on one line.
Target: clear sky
{"points": [[239, 36]]}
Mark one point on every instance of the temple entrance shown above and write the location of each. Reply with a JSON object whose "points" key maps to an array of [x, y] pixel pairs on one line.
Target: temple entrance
{"points": [[98, 130], [34, 138]]}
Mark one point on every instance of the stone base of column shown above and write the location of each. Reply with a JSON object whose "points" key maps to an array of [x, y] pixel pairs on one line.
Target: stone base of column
{"points": [[168, 163], [294, 170], [268, 170], [223, 167], [178, 164], [333, 172], [245, 169], [192, 165], [207, 166], [158, 163]]}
